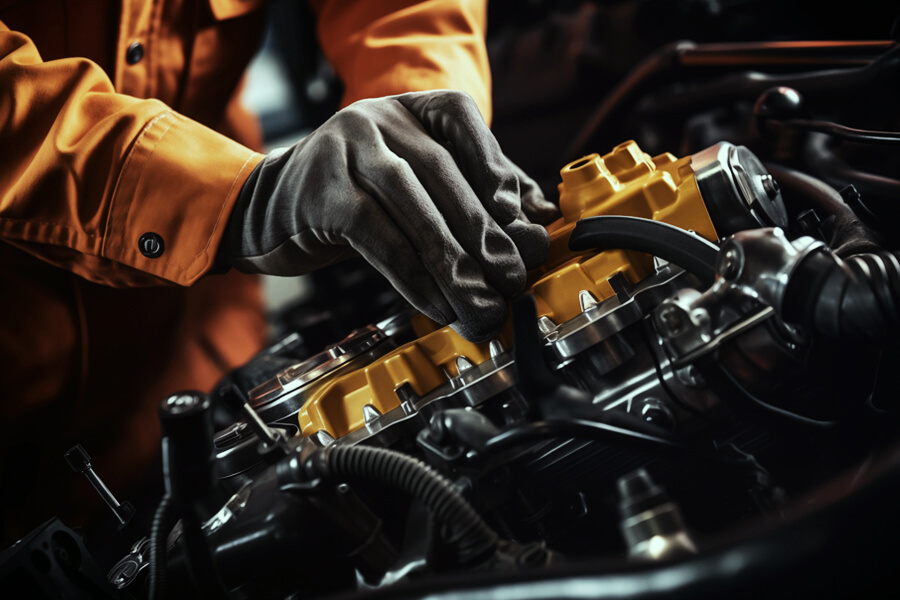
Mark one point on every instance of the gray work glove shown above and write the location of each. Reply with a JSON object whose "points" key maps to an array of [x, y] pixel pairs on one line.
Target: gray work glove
{"points": [[535, 206], [417, 185]]}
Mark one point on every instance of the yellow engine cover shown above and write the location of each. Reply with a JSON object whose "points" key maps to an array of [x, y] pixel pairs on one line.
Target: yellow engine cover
{"points": [[626, 182]]}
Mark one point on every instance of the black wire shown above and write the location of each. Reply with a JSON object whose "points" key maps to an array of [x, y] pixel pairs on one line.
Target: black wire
{"points": [[158, 533], [473, 538], [835, 171], [862, 136], [577, 428], [718, 376], [714, 456]]}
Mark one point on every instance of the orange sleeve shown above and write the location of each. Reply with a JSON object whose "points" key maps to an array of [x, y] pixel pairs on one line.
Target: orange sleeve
{"points": [[385, 47], [85, 172]]}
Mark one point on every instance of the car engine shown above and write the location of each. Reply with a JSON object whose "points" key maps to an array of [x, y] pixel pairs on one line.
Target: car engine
{"points": [[695, 396]]}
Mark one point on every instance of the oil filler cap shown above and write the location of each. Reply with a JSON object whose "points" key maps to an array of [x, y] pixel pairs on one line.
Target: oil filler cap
{"points": [[737, 190]]}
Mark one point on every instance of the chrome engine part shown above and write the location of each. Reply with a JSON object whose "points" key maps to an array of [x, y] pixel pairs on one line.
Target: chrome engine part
{"points": [[634, 355], [626, 349]]}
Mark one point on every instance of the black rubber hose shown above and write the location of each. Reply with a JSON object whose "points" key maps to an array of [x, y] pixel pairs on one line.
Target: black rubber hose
{"points": [[472, 538], [675, 57], [846, 233], [159, 530], [818, 194], [687, 250], [836, 86], [829, 166], [842, 132], [858, 298]]}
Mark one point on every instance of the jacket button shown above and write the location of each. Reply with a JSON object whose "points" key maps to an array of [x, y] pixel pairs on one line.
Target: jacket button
{"points": [[135, 53], [151, 245]]}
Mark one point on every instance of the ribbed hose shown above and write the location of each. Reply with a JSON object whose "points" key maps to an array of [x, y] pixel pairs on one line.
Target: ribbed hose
{"points": [[857, 298], [471, 537], [158, 532]]}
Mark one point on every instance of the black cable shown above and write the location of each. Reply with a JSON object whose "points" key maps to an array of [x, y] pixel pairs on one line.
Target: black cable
{"points": [[836, 130], [577, 428], [158, 533], [728, 457], [833, 169], [473, 539], [728, 387], [838, 170]]}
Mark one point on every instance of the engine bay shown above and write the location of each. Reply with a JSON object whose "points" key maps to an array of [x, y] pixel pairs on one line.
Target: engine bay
{"points": [[694, 396]]}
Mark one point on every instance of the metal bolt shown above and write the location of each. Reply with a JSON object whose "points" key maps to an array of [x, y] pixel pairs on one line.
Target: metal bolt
{"points": [[770, 185], [671, 319], [730, 264], [690, 377], [586, 300], [370, 414], [654, 411], [463, 364], [408, 397], [546, 325]]}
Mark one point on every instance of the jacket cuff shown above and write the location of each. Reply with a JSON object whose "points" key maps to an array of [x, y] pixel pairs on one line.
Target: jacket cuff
{"points": [[173, 198]]}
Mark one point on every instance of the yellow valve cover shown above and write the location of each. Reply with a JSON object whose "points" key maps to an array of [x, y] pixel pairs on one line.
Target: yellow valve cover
{"points": [[626, 182], [335, 405]]}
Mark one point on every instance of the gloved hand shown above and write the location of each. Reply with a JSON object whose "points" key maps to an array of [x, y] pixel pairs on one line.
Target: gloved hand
{"points": [[418, 186], [535, 206]]}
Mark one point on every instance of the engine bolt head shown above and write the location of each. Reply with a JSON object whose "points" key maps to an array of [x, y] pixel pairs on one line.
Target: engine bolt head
{"points": [[730, 264], [770, 185], [653, 410], [671, 319]]}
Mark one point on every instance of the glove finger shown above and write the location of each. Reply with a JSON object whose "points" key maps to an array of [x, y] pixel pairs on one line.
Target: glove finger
{"points": [[535, 206], [475, 230], [532, 241], [479, 307], [453, 119], [392, 255]]}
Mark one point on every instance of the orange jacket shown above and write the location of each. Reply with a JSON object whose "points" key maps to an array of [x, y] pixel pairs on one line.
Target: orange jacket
{"points": [[103, 141]]}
